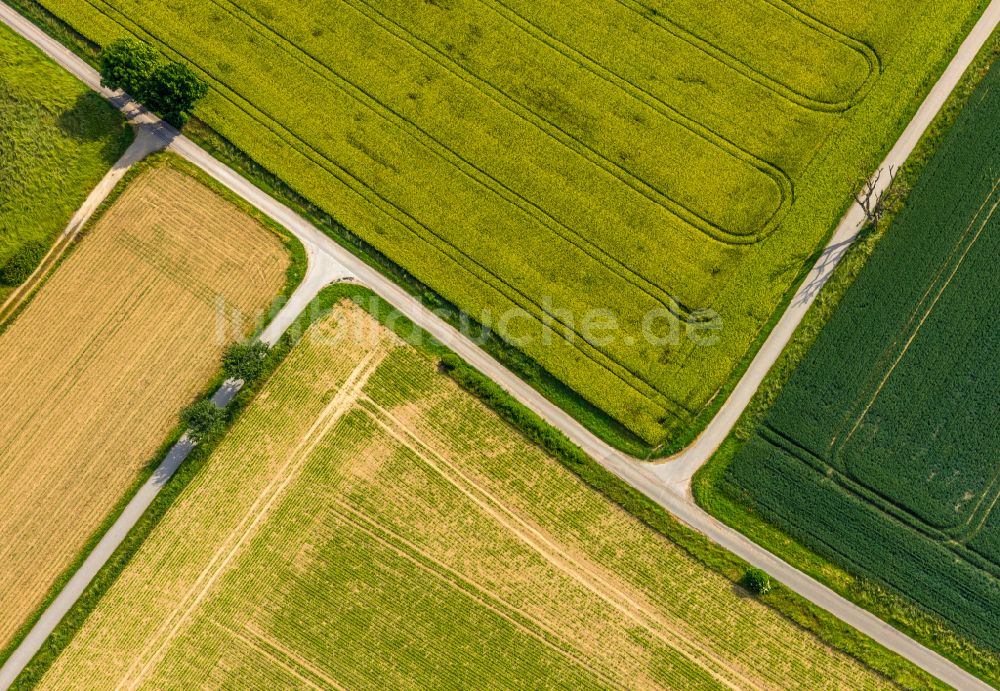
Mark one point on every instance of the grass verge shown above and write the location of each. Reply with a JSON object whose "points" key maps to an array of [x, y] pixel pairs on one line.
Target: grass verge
{"points": [[592, 417], [196, 460], [709, 485], [293, 276], [825, 626]]}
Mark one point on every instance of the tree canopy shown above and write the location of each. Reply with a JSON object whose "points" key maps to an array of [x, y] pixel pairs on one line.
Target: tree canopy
{"points": [[166, 87], [245, 360], [128, 64]]}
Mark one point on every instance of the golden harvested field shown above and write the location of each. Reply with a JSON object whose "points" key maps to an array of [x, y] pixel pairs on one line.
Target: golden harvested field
{"points": [[97, 367], [367, 524]]}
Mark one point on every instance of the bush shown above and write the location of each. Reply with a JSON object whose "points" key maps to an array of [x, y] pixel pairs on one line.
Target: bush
{"points": [[757, 582], [22, 263], [245, 360], [204, 420]]}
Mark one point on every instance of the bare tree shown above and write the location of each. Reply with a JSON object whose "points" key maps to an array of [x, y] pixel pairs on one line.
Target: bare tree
{"points": [[874, 201]]}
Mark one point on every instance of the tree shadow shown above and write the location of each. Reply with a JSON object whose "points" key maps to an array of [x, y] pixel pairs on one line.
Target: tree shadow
{"points": [[86, 120], [89, 120], [823, 269], [741, 592]]}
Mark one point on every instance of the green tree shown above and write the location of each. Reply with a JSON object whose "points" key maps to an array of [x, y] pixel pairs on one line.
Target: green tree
{"points": [[128, 64], [757, 581], [204, 419], [245, 360], [172, 90]]}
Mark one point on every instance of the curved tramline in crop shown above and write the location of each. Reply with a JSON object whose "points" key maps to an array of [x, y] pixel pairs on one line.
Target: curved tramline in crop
{"points": [[628, 160], [888, 467]]}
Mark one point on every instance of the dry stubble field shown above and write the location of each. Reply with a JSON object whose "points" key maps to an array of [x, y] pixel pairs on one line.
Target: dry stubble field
{"points": [[97, 367], [368, 524]]}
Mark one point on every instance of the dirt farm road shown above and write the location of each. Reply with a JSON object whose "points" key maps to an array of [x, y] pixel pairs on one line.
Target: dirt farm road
{"points": [[668, 482], [146, 142]]}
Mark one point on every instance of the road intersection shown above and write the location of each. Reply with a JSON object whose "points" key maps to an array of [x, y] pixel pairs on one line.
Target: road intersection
{"points": [[667, 482]]}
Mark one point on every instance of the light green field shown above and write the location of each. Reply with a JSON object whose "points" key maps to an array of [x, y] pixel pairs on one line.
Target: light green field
{"points": [[57, 140], [553, 158], [366, 524]]}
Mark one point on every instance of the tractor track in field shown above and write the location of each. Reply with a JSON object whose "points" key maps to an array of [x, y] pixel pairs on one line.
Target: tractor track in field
{"points": [[475, 268], [146, 141], [667, 483]]}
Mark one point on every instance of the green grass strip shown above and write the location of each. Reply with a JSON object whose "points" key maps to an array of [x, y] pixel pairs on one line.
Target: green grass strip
{"points": [[293, 276], [712, 492]]}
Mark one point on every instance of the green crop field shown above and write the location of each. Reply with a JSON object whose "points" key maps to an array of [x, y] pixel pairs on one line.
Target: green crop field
{"points": [[534, 162], [368, 524], [57, 140], [881, 452]]}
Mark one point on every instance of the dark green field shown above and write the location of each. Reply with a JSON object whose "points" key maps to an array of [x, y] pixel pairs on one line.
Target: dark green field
{"points": [[882, 452]]}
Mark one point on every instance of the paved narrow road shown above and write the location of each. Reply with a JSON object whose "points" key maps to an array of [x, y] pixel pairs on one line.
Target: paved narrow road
{"points": [[667, 483], [321, 271]]}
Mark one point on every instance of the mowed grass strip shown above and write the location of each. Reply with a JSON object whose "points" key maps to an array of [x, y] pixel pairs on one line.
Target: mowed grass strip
{"points": [[95, 370], [367, 524], [58, 140], [515, 155]]}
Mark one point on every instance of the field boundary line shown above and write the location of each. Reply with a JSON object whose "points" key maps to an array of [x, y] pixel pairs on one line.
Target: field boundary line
{"points": [[144, 143], [252, 520], [670, 490], [665, 404], [653, 622]]}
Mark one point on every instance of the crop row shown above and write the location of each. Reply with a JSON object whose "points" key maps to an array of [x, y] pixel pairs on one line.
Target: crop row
{"points": [[515, 185], [100, 361], [893, 410], [817, 512], [366, 522]]}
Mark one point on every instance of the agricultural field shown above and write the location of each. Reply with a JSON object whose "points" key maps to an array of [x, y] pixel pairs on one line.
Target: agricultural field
{"points": [[881, 452], [367, 524], [544, 165], [57, 140], [97, 367]]}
